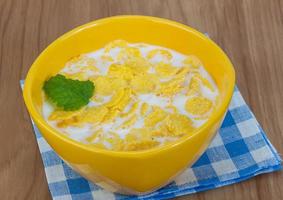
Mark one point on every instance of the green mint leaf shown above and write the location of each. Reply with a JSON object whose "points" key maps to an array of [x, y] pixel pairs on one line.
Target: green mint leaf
{"points": [[68, 94]]}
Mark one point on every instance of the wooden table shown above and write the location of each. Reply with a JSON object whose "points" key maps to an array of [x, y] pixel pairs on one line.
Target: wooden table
{"points": [[250, 32]]}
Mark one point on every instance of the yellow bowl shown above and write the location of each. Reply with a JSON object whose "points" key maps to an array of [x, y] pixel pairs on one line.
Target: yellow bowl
{"points": [[130, 172]]}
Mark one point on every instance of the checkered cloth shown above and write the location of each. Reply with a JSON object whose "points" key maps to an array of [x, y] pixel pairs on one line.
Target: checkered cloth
{"points": [[240, 150]]}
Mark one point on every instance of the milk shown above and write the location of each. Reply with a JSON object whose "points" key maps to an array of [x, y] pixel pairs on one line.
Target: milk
{"points": [[178, 100]]}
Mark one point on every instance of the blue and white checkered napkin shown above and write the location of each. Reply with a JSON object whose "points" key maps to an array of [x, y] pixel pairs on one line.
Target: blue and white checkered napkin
{"points": [[240, 150]]}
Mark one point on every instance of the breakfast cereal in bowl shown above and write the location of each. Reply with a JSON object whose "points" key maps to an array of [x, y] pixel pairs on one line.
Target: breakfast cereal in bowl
{"points": [[129, 96], [129, 102]]}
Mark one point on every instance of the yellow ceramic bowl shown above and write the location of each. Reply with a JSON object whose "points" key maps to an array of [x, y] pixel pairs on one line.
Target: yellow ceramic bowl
{"points": [[130, 172]]}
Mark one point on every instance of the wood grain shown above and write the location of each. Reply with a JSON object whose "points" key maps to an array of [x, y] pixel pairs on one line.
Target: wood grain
{"points": [[250, 32]]}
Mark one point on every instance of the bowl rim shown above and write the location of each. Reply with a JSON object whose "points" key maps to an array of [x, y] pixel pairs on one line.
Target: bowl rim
{"points": [[37, 117]]}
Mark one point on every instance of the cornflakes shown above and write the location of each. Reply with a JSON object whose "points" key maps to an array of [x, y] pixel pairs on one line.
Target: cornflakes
{"points": [[198, 105], [145, 96]]}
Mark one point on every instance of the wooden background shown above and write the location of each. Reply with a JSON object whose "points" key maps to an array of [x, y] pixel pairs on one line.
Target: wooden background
{"points": [[249, 31]]}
